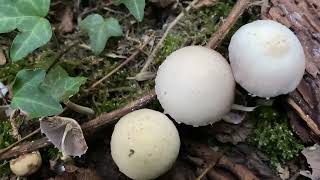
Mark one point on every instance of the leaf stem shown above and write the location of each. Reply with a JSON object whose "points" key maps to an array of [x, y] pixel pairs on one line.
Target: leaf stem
{"points": [[78, 108], [59, 55]]}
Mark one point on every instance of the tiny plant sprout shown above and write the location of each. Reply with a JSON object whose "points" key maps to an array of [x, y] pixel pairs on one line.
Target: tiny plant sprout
{"points": [[195, 86], [26, 164], [266, 58], [144, 144]]}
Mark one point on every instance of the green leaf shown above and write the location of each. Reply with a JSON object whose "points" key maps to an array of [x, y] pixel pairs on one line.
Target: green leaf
{"points": [[27, 17], [30, 98], [100, 30], [136, 7], [60, 85], [34, 34]]}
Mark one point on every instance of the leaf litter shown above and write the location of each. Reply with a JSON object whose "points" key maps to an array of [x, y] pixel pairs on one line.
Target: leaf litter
{"points": [[66, 134]]}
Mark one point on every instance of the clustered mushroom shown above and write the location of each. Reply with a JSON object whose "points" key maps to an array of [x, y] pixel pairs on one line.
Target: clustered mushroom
{"points": [[195, 86], [266, 58]]}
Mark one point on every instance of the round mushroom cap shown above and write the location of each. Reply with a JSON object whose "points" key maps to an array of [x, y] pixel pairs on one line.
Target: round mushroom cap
{"points": [[145, 144], [266, 58], [26, 164], [195, 86]]}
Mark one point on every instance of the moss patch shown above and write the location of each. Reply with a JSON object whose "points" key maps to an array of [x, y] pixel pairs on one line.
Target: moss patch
{"points": [[274, 136]]}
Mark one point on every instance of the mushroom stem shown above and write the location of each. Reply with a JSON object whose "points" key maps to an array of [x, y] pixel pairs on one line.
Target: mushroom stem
{"points": [[239, 107], [79, 109]]}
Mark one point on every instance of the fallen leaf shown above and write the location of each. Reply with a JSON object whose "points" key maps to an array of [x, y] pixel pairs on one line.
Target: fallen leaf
{"points": [[67, 25], [283, 172], [3, 90], [234, 117], [3, 59], [233, 133], [143, 76], [66, 134], [312, 155]]}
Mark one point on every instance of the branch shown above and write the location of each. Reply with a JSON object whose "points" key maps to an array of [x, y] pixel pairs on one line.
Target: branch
{"points": [[160, 43], [224, 29], [90, 127], [132, 57]]}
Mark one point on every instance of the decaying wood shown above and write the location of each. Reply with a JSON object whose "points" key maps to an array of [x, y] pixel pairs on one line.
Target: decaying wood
{"points": [[218, 159], [88, 128], [232, 18], [303, 18]]}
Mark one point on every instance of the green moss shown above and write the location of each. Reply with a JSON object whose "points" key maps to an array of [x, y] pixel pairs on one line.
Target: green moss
{"points": [[5, 134], [170, 44], [4, 169], [274, 136], [50, 153], [5, 140]]}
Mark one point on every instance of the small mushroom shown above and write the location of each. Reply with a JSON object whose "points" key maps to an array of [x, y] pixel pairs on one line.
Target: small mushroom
{"points": [[144, 144], [195, 86], [26, 164], [266, 58]]}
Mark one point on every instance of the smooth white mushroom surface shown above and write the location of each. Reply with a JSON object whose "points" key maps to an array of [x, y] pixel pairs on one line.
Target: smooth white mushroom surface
{"points": [[195, 86], [266, 58], [26, 164], [145, 144]]}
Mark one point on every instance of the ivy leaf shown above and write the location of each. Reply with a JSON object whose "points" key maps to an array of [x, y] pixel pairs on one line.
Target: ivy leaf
{"points": [[100, 30], [34, 34], [30, 98], [60, 85], [27, 17], [136, 7]]}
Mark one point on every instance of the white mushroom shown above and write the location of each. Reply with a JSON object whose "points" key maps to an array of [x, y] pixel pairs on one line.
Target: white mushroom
{"points": [[266, 58], [26, 164], [195, 86], [144, 144]]}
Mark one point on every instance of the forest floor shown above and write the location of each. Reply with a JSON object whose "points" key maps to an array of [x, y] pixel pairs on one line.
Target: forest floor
{"points": [[263, 146]]}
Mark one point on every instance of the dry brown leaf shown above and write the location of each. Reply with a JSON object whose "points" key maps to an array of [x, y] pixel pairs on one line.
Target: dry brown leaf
{"points": [[232, 133], [65, 134], [67, 25], [3, 59], [312, 155], [234, 117]]}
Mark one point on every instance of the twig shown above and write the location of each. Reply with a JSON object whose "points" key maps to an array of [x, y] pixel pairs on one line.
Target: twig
{"points": [[305, 117], [79, 109], [13, 122], [19, 141], [224, 29], [160, 43], [58, 57], [205, 171], [132, 57], [88, 128]]}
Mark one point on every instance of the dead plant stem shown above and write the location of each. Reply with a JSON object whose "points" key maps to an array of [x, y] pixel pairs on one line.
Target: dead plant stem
{"points": [[132, 57], [169, 28], [224, 29], [19, 141]]}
